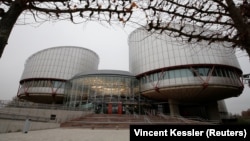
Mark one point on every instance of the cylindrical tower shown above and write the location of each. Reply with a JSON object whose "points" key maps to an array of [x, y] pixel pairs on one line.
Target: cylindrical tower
{"points": [[171, 69], [46, 72]]}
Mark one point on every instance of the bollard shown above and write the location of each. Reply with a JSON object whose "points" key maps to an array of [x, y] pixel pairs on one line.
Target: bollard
{"points": [[26, 126]]}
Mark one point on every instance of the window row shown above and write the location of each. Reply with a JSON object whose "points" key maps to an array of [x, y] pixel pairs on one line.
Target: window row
{"points": [[191, 72], [44, 83]]}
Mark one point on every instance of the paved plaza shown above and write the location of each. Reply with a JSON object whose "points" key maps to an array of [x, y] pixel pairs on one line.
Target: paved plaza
{"points": [[68, 134]]}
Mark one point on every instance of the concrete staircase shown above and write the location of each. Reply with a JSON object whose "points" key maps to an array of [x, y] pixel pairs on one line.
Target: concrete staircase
{"points": [[123, 121]]}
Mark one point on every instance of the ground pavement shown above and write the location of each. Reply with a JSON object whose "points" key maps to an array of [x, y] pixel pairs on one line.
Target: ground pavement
{"points": [[68, 134]]}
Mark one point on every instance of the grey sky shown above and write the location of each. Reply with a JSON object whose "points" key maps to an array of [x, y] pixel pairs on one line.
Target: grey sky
{"points": [[110, 43]]}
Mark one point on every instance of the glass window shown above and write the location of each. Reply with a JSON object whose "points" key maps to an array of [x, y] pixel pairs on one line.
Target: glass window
{"points": [[144, 80], [201, 71], [218, 72], [161, 75], [166, 76], [223, 72], [231, 75], [171, 74], [156, 77], [189, 73], [207, 70], [183, 72], [227, 73], [177, 73], [151, 77], [214, 73]]}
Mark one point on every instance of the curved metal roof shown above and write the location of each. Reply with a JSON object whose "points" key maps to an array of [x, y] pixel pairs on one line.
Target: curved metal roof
{"points": [[105, 72], [59, 47]]}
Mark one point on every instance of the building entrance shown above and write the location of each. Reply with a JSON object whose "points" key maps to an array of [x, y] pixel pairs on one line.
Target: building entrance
{"points": [[109, 108]]}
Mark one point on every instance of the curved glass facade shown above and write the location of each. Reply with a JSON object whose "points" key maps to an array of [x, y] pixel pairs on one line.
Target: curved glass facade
{"points": [[229, 75], [45, 73], [106, 91]]}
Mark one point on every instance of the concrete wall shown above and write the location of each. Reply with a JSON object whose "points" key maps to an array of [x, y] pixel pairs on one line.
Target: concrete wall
{"points": [[7, 126], [13, 119]]}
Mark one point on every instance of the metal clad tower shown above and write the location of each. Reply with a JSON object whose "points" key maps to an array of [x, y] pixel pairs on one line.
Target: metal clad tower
{"points": [[170, 69], [46, 72]]}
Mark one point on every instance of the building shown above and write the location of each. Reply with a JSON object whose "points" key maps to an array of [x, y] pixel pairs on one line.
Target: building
{"points": [[188, 79], [46, 72], [166, 76], [106, 91]]}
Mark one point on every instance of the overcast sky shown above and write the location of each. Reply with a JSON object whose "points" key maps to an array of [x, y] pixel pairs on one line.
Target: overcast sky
{"points": [[110, 43]]}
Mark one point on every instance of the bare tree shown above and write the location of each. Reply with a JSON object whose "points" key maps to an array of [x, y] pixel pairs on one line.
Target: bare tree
{"points": [[44, 10], [218, 20]]}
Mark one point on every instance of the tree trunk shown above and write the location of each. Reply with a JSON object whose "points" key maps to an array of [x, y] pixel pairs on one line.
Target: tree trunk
{"points": [[8, 21], [241, 26]]}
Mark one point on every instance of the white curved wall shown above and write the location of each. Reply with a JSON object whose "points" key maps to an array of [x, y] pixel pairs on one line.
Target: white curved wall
{"points": [[45, 73], [149, 51], [170, 69], [60, 62]]}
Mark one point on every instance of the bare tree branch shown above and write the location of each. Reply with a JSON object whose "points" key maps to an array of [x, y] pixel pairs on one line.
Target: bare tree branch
{"points": [[217, 20], [192, 20], [44, 10]]}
